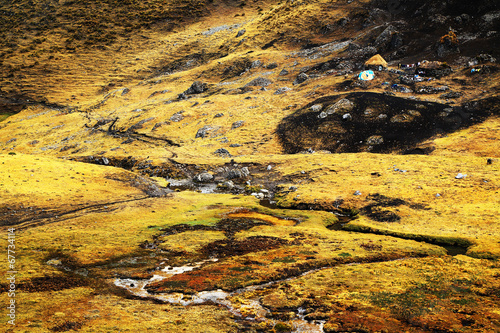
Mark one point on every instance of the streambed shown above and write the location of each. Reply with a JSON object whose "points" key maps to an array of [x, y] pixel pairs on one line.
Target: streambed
{"points": [[248, 309]]}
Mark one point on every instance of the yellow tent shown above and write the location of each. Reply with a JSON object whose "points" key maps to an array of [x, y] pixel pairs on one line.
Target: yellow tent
{"points": [[376, 61]]}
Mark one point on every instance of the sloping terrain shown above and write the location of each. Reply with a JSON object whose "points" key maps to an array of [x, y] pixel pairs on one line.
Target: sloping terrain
{"points": [[217, 166]]}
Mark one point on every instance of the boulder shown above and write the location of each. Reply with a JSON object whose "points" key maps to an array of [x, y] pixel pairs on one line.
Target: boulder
{"points": [[302, 77], [196, 88], [203, 177], [259, 82]]}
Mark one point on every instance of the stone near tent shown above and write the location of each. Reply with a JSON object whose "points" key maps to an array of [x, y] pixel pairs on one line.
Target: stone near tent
{"points": [[433, 68]]}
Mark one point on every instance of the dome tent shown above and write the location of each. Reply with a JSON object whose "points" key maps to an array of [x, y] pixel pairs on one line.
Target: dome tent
{"points": [[376, 62]]}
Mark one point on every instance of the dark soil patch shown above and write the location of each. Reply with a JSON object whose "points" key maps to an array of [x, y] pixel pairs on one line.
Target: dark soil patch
{"points": [[228, 226], [49, 283], [229, 248], [375, 210], [67, 326], [377, 123]]}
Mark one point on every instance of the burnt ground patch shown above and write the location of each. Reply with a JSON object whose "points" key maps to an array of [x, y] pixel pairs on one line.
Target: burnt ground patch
{"points": [[377, 209], [374, 122], [229, 248]]}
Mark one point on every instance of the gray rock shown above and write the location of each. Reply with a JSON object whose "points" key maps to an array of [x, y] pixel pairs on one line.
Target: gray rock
{"points": [[322, 115], [282, 90], [256, 63], [259, 82], [196, 88], [245, 172], [272, 65], [222, 152], [357, 193], [283, 72], [302, 77], [451, 95], [316, 107], [218, 115], [176, 117], [343, 105], [347, 116], [269, 167], [203, 177], [205, 131], [382, 41], [240, 33], [375, 140], [237, 124], [461, 176], [259, 196], [228, 184]]}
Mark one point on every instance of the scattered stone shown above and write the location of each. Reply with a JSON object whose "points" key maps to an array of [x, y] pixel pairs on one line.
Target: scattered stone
{"points": [[234, 145], [237, 124], [282, 90], [375, 140], [357, 193], [259, 82], [272, 66], [269, 167], [203, 177], [438, 195], [256, 64], [302, 77], [196, 88], [347, 116], [218, 115], [176, 117], [293, 188], [259, 196], [222, 152], [489, 161], [125, 91], [283, 72], [240, 33], [11, 140], [316, 107], [343, 105], [54, 262], [461, 176], [205, 131], [228, 185], [139, 124], [451, 95]]}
